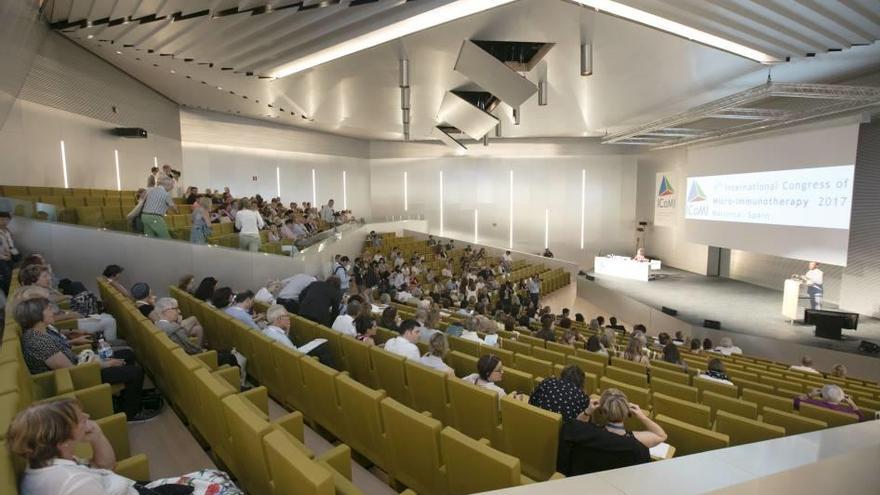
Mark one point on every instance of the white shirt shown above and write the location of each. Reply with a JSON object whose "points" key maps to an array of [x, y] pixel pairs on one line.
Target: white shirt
{"points": [[294, 285], [66, 477], [264, 296], [727, 351], [403, 347], [434, 362], [805, 369], [713, 379], [476, 380], [249, 222], [327, 213], [814, 277], [278, 335], [344, 324]]}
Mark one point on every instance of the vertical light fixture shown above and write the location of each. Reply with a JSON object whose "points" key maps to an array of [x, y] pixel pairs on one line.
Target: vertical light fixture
{"points": [[156, 161], [441, 203], [405, 193], [542, 93], [314, 191], [118, 178], [586, 59], [583, 202], [476, 226], [278, 182], [344, 192], [510, 230], [64, 164], [547, 228]]}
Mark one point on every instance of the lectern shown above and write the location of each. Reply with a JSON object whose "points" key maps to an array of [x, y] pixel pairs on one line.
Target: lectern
{"points": [[790, 295]]}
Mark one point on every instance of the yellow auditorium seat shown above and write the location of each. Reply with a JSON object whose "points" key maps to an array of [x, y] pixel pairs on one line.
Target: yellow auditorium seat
{"points": [[428, 390], [690, 439], [414, 445], [794, 424], [473, 467], [90, 216], [739, 407], [742, 430], [474, 410], [531, 434], [517, 347], [638, 395], [689, 412], [320, 387], [765, 399], [466, 346], [678, 377], [463, 364], [586, 365], [629, 365], [673, 389], [719, 388], [538, 368], [517, 381], [833, 418], [626, 376], [290, 369], [390, 374], [357, 358], [292, 472], [592, 356], [548, 355], [365, 432]]}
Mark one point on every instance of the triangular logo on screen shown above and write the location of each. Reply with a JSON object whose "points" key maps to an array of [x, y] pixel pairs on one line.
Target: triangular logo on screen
{"points": [[696, 193], [665, 188]]}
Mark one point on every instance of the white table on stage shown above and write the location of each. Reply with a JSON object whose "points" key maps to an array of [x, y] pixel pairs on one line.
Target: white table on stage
{"points": [[624, 267], [790, 295]]}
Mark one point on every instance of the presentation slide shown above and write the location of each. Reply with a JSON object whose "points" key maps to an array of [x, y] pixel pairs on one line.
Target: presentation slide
{"points": [[818, 197]]}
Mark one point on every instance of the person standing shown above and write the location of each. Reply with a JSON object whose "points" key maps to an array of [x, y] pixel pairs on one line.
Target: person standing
{"points": [[8, 252], [151, 179], [156, 202], [249, 222], [201, 222], [534, 288], [814, 280], [327, 213], [340, 270]]}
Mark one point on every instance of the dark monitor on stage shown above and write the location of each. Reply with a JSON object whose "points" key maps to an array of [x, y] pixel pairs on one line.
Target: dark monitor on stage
{"points": [[845, 320]]}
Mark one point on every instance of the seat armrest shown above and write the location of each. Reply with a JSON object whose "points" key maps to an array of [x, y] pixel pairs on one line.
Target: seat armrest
{"points": [[557, 476], [338, 458], [85, 375], [293, 424], [97, 401], [231, 375], [209, 358], [115, 428], [134, 468], [258, 396]]}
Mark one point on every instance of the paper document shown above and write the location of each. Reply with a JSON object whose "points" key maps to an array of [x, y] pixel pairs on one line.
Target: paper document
{"points": [[491, 339], [307, 348], [660, 451]]}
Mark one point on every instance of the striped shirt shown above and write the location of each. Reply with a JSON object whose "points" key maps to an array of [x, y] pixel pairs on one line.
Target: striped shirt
{"points": [[157, 201]]}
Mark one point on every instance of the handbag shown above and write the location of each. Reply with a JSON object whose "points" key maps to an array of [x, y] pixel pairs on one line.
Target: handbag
{"points": [[203, 482]]}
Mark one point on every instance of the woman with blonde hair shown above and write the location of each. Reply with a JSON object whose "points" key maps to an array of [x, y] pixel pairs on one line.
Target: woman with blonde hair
{"points": [[635, 352], [438, 347], [598, 440], [201, 221]]}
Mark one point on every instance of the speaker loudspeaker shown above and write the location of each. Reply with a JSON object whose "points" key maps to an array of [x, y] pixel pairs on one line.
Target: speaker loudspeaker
{"points": [[669, 311], [712, 324]]}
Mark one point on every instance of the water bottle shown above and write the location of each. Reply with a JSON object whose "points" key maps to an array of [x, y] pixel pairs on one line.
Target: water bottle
{"points": [[105, 352]]}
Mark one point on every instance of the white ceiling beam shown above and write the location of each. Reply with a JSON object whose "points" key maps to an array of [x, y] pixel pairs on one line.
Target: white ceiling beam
{"points": [[756, 16], [864, 36], [772, 5]]}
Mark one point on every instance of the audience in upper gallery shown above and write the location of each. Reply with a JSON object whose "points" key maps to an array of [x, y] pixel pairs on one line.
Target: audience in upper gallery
{"points": [[8, 252], [240, 308], [564, 395], [153, 206], [438, 347], [45, 349], [593, 345], [715, 372], [612, 323], [291, 288], [389, 319], [679, 339], [727, 348], [278, 329], [144, 299], [205, 291], [490, 371], [249, 222], [830, 397], [696, 346], [838, 371], [47, 435], [201, 222], [635, 352], [366, 329], [806, 366], [153, 177], [672, 356], [111, 275], [320, 301], [344, 323], [587, 446], [327, 213], [340, 270], [405, 343]]}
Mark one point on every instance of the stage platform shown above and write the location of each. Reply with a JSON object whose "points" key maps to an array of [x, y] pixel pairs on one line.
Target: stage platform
{"points": [[739, 306]]}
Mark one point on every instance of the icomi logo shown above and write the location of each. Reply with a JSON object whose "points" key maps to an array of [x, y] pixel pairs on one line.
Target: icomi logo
{"points": [[696, 193], [665, 188]]}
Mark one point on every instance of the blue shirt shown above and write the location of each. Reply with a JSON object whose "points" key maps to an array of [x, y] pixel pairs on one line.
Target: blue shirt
{"points": [[241, 315]]}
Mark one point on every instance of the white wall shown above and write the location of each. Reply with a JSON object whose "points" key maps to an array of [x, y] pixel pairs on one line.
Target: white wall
{"points": [[547, 175]]}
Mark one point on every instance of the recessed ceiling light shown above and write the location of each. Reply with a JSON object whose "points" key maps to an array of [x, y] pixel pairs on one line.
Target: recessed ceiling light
{"points": [[172, 71], [419, 22], [90, 36], [118, 52], [663, 24], [219, 88]]}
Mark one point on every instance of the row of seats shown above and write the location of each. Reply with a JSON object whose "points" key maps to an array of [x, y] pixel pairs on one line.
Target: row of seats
{"points": [[21, 191]]}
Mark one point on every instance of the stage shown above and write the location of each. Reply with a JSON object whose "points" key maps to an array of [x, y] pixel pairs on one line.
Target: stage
{"points": [[740, 307]]}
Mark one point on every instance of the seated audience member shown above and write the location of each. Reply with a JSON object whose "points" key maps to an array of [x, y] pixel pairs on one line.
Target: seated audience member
{"points": [[608, 339], [205, 290], [707, 344], [593, 345], [727, 348], [405, 343], [144, 299], [46, 436], [389, 319], [221, 298], [278, 329], [241, 307], [291, 288], [579, 317], [187, 283], [546, 331], [635, 352], [45, 349], [570, 337], [679, 338], [838, 371], [267, 295], [87, 304], [320, 301], [490, 371], [671, 355], [716, 372], [564, 395], [806, 365], [366, 329], [438, 347], [831, 397], [696, 346], [585, 446], [344, 323], [662, 337], [612, 323], [111, 275]]}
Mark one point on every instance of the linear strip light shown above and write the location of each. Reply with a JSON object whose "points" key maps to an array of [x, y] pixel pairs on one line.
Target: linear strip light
{"points": [[156, 161], [64, 165], [434, 17], [510, 241], [663, 24], [278, 181], [314, 191], [405, 193], [441, 203], [547, 228], [583, 202], [118, 177], [476, 227], [344, 191]]}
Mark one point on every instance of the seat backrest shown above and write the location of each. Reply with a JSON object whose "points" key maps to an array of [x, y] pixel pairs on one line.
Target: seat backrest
{"points": [[390, 374], [629, 365], [744, 430], [473, 467], [690, 439], [247, 430], [414, 447], [548, 355], [689, 412], [289, 365], [357, 358], [719, 388], [794, 424], [474, 410], [517, 381], [463, 364], [626, 376], [679, 377], [467, 346], [638, 395], [263, 365], [586, 365], [210, 421], [763, 400], [517, 347], [365, 431], [739, 407], [291, 471], [833, 418], [427, 388], [673, 389], [320, 385], [538, 368], [532, 435]]}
